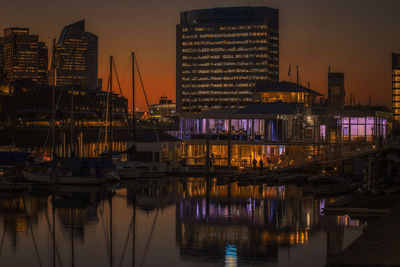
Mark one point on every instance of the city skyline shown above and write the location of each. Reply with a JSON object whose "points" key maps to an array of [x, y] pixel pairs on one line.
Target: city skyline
{"points": [[354, 40]]}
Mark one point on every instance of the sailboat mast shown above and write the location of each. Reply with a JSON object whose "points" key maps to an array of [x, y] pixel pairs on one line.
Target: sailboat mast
{"points": [[53, 105], [133, 99], [110, 107]]}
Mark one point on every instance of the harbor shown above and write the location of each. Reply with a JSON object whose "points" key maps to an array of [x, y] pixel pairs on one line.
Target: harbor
{"points": [[199, 134]]}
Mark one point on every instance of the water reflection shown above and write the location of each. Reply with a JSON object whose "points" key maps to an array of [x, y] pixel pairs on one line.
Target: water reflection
{"points": [[184, 222]]}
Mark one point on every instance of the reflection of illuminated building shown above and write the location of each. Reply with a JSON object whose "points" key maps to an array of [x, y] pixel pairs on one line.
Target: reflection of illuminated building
{"points": [[19, 214], [75, 210], [254, 220]]}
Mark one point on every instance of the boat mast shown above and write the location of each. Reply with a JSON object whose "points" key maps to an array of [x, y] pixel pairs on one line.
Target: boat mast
{"points": [[110, 108], [53, 105], [133, 99]]}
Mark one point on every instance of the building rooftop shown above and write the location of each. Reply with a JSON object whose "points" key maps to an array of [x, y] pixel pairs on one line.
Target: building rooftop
{"points": [[232, 15], [283, 86]]}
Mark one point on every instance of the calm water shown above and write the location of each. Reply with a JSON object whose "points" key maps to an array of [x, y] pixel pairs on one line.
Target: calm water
{"points": [[170, 223]]}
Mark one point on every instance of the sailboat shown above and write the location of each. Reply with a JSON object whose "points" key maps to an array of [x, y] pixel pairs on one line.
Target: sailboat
{"points": [[134, 169], [68, 171]]}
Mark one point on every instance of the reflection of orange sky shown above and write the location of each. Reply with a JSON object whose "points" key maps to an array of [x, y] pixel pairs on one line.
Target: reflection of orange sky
{"points": [[313, 34]]}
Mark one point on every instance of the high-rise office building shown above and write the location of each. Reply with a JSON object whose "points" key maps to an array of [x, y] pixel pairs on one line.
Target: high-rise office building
{"points": [[24, 55], [1, 58], [396, 86], [221, 53], [43, 64], [76, 56]]}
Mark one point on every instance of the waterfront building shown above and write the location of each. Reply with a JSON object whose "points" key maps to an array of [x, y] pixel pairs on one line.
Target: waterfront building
{"points": [[24, 57], [25, 104], [76, 57], [221, 53], [396, 86], [164, 111], [285, 126], [267, 92]]}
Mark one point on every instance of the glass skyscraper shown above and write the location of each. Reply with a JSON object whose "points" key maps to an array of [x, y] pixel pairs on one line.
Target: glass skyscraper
{"points": [[222, 53], [76, 56], [24, 57]]}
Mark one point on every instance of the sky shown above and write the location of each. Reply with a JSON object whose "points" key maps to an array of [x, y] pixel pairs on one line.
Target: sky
{"points": [[355, 37]]}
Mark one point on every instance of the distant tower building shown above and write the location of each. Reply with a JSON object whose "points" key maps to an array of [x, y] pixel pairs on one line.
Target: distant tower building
{"points": [[1, 58], [221, 53], [24, 56], [396, 86], [76, 56], [43, 63], [336, 93]]}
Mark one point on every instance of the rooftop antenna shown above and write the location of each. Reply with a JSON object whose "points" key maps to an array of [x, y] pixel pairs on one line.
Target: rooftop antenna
{"points": [[290, 71]]}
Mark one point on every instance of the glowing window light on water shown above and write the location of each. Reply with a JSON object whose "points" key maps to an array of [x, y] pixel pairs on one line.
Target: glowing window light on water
{"points": [[231, 258]]}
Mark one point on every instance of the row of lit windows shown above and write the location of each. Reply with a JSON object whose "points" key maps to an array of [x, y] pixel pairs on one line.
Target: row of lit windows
{"points": [[396, 78], [218, 85], [220, 49], [226, 28], [216, 99], [396, 72], [225, 78], [213, 71], [396, 85], [223, 35], [396, 92], [224, 92], [225, 56], [217, 64], [225, 42]]}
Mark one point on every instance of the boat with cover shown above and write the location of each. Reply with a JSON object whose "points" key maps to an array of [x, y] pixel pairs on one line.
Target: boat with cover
{"points": [[71, 171]]}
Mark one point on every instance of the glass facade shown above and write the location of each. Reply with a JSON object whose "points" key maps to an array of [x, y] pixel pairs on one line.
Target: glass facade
{"points": [[222, 53], [76, 57], [24, 57], [396, 86]]}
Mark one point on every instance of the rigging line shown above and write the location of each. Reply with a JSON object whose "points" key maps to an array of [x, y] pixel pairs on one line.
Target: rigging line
{"points": [[147, 101], [51, 234], [150, 237], [49, 130], [126, 243], [31, 230], [126, 106], [101, 126], [107, 115]]}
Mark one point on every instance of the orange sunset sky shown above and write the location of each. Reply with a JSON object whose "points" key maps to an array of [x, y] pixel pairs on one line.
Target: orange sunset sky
{"points": [[355, 37]]}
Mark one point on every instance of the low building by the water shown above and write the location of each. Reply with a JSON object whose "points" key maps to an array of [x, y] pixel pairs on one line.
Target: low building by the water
{"points": [[286, 127], [24, 103]]}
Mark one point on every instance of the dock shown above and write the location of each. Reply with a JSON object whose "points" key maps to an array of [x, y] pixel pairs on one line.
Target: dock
{"points": [[379, 245]]}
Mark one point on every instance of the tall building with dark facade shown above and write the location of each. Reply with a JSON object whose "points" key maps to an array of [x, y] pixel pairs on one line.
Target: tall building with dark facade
{"points": [[76, 56], [396, 86], [221, 53], [1, 58], [24, 57]]}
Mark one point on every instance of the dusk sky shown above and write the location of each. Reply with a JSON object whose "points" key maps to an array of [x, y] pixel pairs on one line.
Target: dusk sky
{"points": [[355, 37]]}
